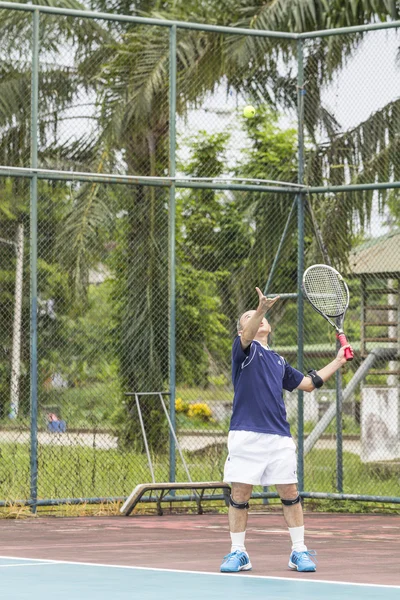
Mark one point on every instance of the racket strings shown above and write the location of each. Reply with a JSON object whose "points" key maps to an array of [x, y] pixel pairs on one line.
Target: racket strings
{"points": [[326, 291]]}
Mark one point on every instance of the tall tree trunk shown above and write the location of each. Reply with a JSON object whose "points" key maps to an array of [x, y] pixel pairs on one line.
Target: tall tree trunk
{"points": [[144, 310]]}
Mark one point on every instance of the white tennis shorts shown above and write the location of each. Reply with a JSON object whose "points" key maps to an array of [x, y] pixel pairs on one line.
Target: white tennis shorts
{"points": [[260, 459]]}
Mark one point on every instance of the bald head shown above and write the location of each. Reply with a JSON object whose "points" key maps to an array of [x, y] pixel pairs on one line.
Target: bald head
{"points": [[244, 318]]}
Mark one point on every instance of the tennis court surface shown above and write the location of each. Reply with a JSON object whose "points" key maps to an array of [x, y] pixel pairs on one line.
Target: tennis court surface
{"points": [[179, 556]]}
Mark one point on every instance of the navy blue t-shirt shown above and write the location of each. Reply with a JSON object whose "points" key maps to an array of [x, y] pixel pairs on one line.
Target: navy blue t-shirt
{"points": [[259, 377]]}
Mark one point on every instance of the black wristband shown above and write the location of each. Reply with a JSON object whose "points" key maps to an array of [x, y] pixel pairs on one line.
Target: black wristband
{"points": [[316, 379]]}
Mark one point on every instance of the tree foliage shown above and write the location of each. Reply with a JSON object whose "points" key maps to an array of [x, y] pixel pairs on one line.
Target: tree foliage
{"points": [[225, 242]]}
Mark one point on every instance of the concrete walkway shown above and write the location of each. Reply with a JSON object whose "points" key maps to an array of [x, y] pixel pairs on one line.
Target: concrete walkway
{"points": [[200, 442], [103, 441], [106, 441]]}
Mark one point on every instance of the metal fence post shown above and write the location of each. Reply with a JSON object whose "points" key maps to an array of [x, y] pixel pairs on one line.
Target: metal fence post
{"points": [[34, 174], [172, 261], [33, 261], [16, 343], [339, 428], [300, 261]]}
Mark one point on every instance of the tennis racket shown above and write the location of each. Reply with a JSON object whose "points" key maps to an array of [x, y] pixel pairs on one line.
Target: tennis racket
{"points": [[328, 294]]}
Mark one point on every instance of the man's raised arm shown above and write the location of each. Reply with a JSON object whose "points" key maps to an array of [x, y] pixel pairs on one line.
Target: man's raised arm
{"points": [[253, 322]]}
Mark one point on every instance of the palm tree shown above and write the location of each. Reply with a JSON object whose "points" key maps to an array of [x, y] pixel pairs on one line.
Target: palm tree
{"points": [[136, 121], [59, 89], [366, 153], [124, 70]]}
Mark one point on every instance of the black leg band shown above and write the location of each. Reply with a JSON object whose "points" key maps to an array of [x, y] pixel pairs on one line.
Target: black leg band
{"points": [[291, 502], [240, 505]]}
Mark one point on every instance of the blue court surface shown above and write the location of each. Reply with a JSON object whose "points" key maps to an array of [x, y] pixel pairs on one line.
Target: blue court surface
{"points": [[39, 579]]}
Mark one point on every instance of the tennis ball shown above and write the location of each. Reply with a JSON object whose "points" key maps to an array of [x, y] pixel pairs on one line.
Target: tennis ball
{"points": [[249, 112]]}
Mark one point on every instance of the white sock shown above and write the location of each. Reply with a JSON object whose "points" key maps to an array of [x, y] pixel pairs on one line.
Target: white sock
{"points": [[297, 537], [238, 541]]}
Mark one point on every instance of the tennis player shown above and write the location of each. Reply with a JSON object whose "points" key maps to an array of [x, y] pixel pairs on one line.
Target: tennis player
{"points": [[261, 449]]}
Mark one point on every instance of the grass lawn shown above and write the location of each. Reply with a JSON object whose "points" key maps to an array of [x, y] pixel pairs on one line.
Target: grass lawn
{"points": [[89, 407], [197, 394], [92, 407], [70, 472], [349, 427]]}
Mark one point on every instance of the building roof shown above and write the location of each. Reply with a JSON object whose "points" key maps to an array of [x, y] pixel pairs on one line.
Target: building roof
{"points": [[377, 255]]}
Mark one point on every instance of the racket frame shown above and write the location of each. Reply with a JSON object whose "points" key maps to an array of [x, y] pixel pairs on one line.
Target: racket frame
{"points": [[338, 327]]}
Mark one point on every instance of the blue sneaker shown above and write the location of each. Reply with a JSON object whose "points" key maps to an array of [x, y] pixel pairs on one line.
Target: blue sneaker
{"points": [[235, 562], [302, 561]]}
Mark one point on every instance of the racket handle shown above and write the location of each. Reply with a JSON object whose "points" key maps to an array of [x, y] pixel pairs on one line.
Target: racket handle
{"points": [[348, 353]]}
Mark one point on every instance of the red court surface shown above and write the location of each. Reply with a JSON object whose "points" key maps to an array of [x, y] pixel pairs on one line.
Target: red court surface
{"points": [[350, 548]]}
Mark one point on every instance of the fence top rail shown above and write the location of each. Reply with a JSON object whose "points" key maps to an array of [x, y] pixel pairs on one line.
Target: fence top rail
{"points": [[199, 183], [178, 182], [352, 187], [198, 26], [348, 30], [145, 21]]}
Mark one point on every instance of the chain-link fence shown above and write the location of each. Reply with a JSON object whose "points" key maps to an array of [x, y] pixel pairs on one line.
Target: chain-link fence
{"points": [[138, 211]]}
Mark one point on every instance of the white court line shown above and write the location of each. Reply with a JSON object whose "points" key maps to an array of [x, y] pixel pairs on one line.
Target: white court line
{"points": [[236, 575], [36, 564]]}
